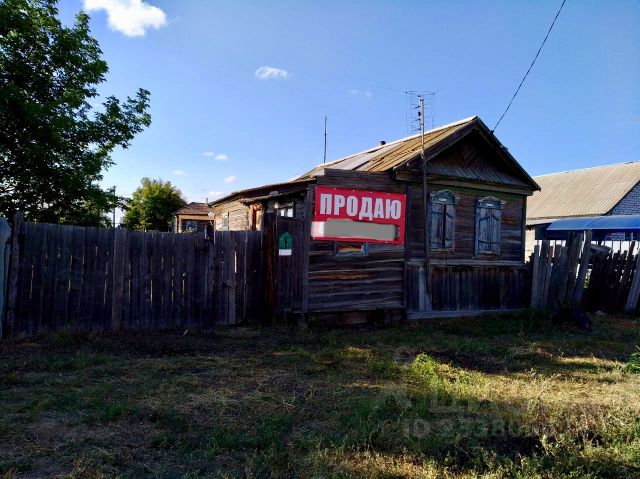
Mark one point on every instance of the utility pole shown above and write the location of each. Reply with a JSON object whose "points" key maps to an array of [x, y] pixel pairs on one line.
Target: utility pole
{"points": [[425, 204], [325, 140], [114, 206]]}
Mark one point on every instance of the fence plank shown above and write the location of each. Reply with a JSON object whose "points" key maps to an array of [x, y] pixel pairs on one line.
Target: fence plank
{"points": [[40, 241], [178, 279], [75, 279], [119, 259], [53, 253], [535, 280], [5, 237], [89, 280], [634, 292], [584, 268]]}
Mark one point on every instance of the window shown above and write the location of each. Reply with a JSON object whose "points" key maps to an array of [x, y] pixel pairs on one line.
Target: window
{"points": [[190, 226], [442, 219], [488, 225], [225, 222], [286, 209], [347, 248]]}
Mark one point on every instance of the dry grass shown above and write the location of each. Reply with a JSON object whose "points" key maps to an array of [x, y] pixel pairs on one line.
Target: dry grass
{"points": [[511, 397]]}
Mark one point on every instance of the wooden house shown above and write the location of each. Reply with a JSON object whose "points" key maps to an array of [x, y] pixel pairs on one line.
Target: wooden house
{"points": [[349, 235], [192, 218]]}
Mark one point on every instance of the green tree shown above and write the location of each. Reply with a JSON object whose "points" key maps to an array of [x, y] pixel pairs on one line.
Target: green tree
{"points": [[54, 144], [152, 206]]}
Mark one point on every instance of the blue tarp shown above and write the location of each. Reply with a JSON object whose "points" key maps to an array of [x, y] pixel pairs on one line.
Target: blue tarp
{"points": [[612, 224], [602, 227]]}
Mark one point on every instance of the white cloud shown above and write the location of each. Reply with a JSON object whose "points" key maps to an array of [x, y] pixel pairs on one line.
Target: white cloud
{"points": [[215, 194], [229, 179], [208, 153], [356, 92], [131, 17], [179, 173], [222, 157], [267, 73]]}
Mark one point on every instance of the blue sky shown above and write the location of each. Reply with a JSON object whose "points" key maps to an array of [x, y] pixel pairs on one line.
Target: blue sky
{"points": [[352, 61]]}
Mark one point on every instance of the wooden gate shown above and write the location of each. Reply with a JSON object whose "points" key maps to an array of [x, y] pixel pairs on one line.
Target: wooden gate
{"points": [[289, 257], [284, 256]]}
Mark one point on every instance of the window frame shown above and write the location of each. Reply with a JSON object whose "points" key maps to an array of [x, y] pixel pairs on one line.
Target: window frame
{"points": [[491, 204], [364, 247], [449, 199], [187, 229], [279, 208]]}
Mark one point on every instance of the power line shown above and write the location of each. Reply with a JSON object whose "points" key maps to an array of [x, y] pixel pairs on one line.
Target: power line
{"points": [[531, 66]]}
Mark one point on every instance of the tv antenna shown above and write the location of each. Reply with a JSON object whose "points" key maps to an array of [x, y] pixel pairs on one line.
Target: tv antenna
{"points": [[417, 102]]}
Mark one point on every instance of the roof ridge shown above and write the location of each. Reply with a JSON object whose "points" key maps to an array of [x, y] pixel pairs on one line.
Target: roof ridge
{"points": [[400, 140], [589, 168]]}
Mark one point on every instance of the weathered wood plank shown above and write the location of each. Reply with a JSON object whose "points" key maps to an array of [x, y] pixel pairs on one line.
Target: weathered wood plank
{"points": [[14, 272], [634, 293], [119, 260]]}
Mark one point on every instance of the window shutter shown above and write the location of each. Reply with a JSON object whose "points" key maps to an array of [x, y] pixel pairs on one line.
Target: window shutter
{"points": [[483, 233], [496, 219], [488, 225], [435, 225], [449, 226]]}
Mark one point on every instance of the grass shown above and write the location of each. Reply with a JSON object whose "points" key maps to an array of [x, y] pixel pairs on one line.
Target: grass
{"points": [[496, 397]]}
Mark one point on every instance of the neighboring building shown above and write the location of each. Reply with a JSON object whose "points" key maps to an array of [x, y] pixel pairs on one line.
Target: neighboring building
{"points": [[597, 191], [192, 217], [350, 234]]}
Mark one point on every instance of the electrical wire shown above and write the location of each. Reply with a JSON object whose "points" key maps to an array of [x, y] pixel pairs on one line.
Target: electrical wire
{"points": [[531, 66]]}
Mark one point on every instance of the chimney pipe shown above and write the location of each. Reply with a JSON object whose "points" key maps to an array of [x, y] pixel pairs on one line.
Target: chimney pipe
{"points": [[383, 142]]}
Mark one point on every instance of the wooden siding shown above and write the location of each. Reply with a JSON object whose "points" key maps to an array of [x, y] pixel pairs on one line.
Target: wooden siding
{"points": [[473, 159], [238, 216], [511, 237], [352, 283]]}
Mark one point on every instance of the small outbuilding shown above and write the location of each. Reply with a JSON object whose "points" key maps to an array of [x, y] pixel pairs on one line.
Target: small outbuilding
{"points": [[373, 231], [192, 218]]}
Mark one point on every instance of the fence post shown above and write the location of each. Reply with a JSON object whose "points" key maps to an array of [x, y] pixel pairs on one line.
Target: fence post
{"points": [[5, 234], [12, 281]]}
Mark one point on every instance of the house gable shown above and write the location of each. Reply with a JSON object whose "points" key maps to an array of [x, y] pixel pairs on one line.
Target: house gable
{"points": [[477, 156]]}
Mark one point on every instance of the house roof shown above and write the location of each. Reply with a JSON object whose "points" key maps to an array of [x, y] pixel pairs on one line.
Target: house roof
{"points": [[586, 192], [389, 155], [397, 154], [193, 208]]}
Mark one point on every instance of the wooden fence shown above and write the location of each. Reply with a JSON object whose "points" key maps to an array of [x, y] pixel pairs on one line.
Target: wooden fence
{"points": [[111, 279], [579, 273]]}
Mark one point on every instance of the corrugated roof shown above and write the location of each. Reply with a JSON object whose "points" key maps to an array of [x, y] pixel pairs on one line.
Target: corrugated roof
{"points": [[586, 192], [384, 157]]}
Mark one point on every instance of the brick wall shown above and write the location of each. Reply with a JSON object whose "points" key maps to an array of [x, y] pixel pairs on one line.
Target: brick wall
{"points": [[630, 204]]}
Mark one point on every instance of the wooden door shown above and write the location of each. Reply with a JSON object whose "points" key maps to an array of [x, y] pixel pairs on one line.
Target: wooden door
{"points": [[288, 253]]}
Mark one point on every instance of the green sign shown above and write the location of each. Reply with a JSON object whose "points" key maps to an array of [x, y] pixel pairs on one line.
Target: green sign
{"points": [[285, 244]]}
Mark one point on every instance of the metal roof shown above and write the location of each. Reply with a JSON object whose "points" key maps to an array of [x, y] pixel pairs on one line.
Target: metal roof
{"points": [[610, 223], [396, 154], [586, 192], [389, 155]]}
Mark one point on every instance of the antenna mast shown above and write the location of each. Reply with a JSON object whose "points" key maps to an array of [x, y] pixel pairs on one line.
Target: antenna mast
{"points": [[325, 140], [425, 204]]}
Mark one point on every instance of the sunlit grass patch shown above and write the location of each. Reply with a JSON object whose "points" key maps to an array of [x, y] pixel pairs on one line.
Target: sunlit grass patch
{"points": [[472, 398]]}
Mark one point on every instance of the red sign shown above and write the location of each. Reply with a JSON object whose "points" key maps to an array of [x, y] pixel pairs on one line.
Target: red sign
{"points": [[358, 215]]}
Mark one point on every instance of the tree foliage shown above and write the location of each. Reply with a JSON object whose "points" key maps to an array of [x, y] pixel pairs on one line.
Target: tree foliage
{"points": [[152, 205], [54, 144]]}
